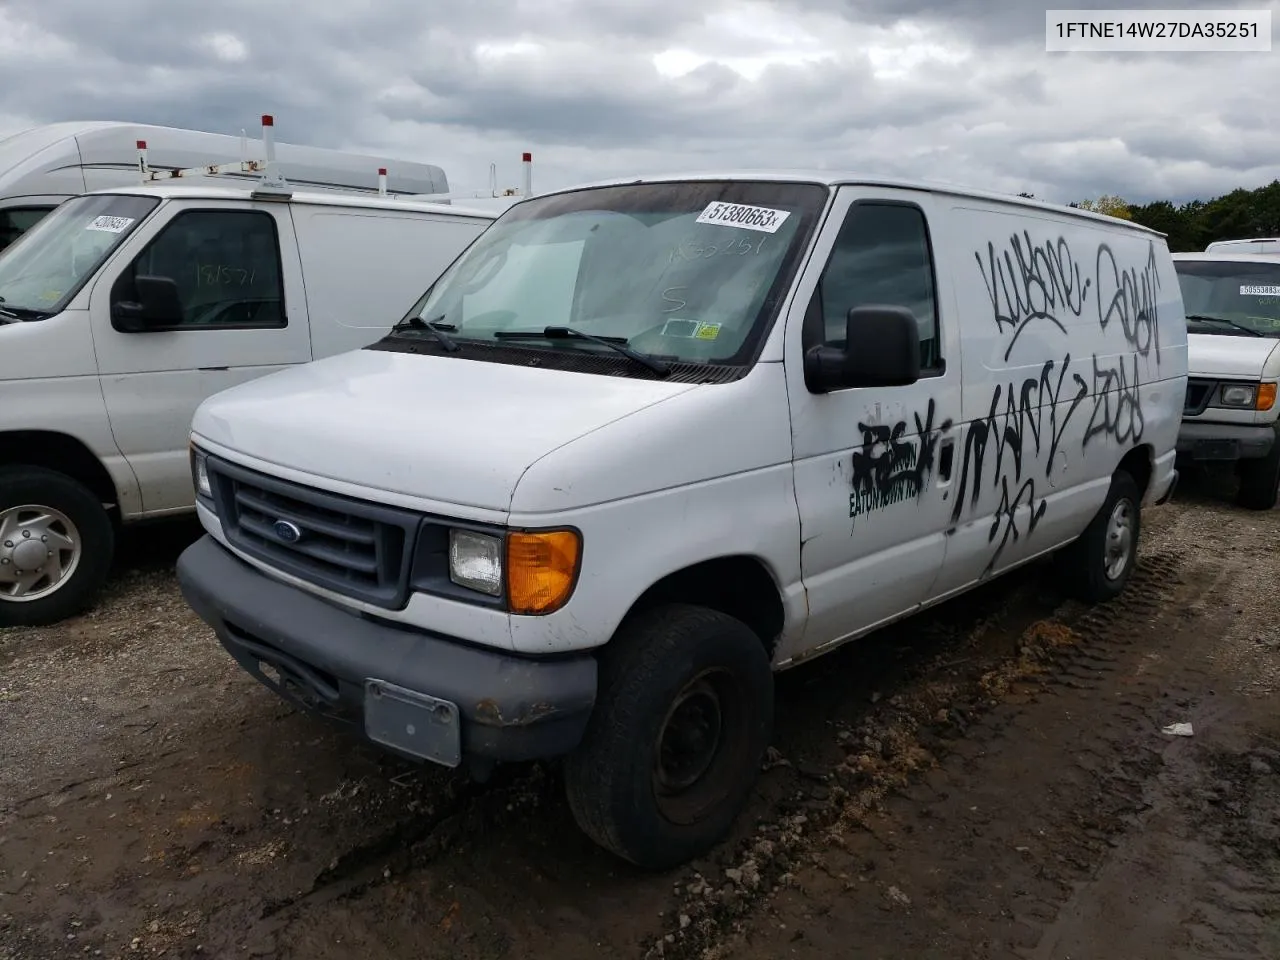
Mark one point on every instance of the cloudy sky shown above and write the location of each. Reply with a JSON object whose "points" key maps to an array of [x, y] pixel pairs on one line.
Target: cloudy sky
{"points": [[956, 90]]}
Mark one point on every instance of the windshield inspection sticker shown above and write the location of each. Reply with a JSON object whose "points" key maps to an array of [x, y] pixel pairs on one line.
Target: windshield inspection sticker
{"points": [[1260, 291], [744, 216], [109, 224], [690, 329]]}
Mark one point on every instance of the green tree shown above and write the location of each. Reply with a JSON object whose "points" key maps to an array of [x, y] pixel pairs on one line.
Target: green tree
{"points": [[1108, 204]]}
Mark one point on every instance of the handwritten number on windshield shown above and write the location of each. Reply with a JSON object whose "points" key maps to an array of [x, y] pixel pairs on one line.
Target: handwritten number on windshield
{"points": [[689, 250]]}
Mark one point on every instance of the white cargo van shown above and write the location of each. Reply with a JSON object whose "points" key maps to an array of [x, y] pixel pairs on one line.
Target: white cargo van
{"points": [[1259, 245], [43, 166], [1231, 417], [660, 437], [122, 310]]}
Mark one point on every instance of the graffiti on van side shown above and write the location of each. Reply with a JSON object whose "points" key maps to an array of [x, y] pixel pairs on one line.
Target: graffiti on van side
{"points": [[1023, 429], [1129, 297], [1028, 283], [1117, 403], [892, 466], [1006, 517]]}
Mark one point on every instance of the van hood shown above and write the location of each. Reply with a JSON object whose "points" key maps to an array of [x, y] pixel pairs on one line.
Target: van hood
{"points": [[1223, 355], [438, 428]]}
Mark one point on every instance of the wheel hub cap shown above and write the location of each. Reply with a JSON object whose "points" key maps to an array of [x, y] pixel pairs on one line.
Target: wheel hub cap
{"points": [[39, 551], [1119, 539]]}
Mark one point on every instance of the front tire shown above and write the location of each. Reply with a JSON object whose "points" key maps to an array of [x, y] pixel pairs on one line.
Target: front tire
{"points": [[56, 545], [1099, 564], [1260, 480], [675, 744]]}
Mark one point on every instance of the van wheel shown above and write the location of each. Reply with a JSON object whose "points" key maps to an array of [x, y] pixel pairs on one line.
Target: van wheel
{"points": [[1101, 561], [675, 744], [56, 542], [1260, 480]]}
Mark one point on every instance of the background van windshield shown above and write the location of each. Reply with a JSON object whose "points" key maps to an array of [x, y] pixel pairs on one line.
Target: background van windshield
{"points": [[685, 270], [1247, 294], [45, 267]]}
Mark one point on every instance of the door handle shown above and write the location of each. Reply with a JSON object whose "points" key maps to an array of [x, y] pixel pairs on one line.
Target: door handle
{"points": [[946, 458]]}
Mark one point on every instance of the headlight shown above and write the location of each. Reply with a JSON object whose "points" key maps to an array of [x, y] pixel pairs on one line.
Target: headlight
{"points": [[537, 569], [1237, 395], [200, 473], [475, 561]]}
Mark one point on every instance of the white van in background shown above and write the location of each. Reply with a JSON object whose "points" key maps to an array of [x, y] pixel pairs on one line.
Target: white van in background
{"points": [[1231, 417], [122, 310], [43, 166], [648, 441], [1260, 245]]}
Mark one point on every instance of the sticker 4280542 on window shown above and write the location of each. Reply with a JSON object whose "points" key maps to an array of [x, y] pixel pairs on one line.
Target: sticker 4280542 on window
{"points": [[743, 215]]}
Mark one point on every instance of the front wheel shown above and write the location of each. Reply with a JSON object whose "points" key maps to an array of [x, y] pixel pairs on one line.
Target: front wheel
{"points": [[681, 724], [56, 544], [1260, 480], [1099, 564]]}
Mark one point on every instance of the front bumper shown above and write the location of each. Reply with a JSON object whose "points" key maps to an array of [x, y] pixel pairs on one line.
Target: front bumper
{"points": [[1224, 441], [418, 694]]}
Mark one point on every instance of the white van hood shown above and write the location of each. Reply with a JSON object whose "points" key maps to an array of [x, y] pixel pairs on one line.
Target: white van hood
{"points": [[442, 428], [1215, 355]]}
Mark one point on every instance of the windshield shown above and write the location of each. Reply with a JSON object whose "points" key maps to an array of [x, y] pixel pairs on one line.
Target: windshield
{"points": [[685, 271], [1233, 294], [45, 267]]}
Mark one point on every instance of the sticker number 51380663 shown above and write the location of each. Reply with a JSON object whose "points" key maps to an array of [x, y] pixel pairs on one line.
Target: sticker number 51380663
{"points": [[743, 215]]}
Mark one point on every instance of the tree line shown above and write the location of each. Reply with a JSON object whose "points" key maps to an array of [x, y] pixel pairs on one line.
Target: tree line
{"points": [[1239, 215]]}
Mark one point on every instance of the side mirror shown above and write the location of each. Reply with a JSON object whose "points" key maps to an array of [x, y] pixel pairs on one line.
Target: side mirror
{"points": [[158, 305], [881, 349]]}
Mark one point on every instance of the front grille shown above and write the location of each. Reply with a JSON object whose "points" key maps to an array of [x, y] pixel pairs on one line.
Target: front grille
{"points": [[361, 550], [1198, 393]]}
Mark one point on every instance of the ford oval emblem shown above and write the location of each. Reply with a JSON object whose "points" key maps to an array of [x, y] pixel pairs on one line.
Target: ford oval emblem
{"points": [[288, 532]]}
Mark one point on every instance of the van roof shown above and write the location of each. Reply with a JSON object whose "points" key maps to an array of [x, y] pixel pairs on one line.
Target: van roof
{"points": [[1227, 256], [1228, 243], [29, 157], [830, 178], [198, 191]]}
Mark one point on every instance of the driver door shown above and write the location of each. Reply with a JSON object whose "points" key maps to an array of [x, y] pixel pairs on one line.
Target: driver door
{"points": [[243, 315]]}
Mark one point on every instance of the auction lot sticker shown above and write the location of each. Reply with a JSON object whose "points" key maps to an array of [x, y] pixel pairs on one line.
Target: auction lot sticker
{"points": [[744, 216]]}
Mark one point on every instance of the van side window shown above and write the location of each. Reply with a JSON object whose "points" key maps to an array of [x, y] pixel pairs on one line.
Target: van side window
{"points": [[15, 221], [882, 257], [226, 264]]}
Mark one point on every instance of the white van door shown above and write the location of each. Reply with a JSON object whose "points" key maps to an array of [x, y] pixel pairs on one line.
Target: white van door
{"points": [[239, 284], [873, 466]]}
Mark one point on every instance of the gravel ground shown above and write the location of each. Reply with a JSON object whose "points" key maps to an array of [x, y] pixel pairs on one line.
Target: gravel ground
{"points": [[987, 780]]}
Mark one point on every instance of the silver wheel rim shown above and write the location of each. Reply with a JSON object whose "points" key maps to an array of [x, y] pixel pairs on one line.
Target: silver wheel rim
{"points": [[1119, 545], [40, 549]]}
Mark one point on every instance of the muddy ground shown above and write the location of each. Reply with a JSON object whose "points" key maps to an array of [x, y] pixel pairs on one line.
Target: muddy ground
{"points": [[987, 780]]}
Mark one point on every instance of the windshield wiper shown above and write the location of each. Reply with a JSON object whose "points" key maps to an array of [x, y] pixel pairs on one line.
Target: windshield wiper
{"points": [[19, 314], [436, 328], [1206, 318], [569, 333]]}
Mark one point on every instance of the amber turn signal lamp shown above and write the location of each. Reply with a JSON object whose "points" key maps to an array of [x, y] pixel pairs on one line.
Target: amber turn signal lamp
{"points": [[1266, 396], [542, 568]]}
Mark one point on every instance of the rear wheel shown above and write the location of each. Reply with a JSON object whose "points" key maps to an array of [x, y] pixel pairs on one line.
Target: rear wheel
{"points": [[1099, 564], [675, 744], [56, 543]]}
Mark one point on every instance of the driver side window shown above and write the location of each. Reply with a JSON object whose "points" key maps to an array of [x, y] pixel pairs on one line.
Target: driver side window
{"points": [[882, 258], [226, 264]]}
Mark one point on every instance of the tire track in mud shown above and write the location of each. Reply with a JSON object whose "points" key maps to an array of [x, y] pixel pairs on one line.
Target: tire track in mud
{"points": [[479, 822], [1074, 647]]}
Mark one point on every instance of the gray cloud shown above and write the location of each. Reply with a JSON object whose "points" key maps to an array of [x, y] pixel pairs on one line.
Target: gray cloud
{"points": [[959, 90]]}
